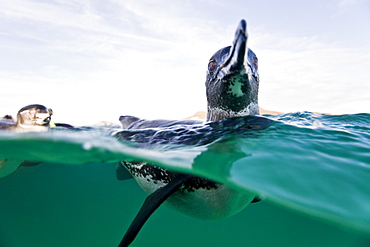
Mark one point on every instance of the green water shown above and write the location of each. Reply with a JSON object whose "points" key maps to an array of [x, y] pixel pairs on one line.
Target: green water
{"points": [[313, 172]]}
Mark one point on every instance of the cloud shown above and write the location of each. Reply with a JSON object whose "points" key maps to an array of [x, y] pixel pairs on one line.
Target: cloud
{"points": [[348, 3], [101, 59], [75, 57], [307, 74]]}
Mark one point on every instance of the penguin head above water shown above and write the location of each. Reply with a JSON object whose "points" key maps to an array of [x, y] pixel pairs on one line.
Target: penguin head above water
{"points": [[232, 80], [33, 118]]}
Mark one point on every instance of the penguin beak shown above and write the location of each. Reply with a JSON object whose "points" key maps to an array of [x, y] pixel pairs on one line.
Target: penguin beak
{"points": [[236, 59], [43, 119]]}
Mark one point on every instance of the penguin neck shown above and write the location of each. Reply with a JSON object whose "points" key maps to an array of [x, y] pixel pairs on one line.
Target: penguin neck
{"points": [[22, 128], [216, 113]]}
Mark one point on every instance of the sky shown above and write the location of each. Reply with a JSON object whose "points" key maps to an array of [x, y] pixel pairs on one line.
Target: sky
{"points": [[95, 60]]}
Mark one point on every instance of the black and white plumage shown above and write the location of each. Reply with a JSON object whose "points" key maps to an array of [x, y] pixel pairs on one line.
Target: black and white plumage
{"points": [[232, 91], [233, 80]]}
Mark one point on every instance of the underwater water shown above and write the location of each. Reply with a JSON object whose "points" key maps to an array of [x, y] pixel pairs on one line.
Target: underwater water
{"points": [[313, 172]]}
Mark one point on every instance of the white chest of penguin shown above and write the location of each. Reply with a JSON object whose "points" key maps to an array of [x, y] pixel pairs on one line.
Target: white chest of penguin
{"points": [[213, 202]]}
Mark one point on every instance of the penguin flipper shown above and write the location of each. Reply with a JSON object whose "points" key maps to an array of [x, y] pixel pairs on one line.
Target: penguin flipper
{"points": [[151, 203], [256, 199], [30, 163]]}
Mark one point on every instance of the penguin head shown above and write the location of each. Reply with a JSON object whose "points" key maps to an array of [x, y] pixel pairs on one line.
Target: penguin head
{"points": [[33, 116], [233, 79]]}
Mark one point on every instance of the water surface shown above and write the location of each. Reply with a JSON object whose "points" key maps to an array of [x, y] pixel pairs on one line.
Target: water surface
{"points": [[312, 171]]}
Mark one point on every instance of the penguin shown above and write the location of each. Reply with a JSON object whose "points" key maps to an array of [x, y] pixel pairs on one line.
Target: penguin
{"points": [[232, 82], [31, 118]]}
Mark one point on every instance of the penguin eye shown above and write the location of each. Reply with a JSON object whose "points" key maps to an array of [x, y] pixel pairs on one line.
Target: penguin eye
{"points": [[255, 62], [212, 65]]}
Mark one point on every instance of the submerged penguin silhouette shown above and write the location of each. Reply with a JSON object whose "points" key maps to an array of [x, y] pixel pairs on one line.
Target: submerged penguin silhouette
{"points": [[232, 91]]}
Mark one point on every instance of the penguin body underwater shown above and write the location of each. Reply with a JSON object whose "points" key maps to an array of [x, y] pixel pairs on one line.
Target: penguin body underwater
{"points": [[232, 91]]}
